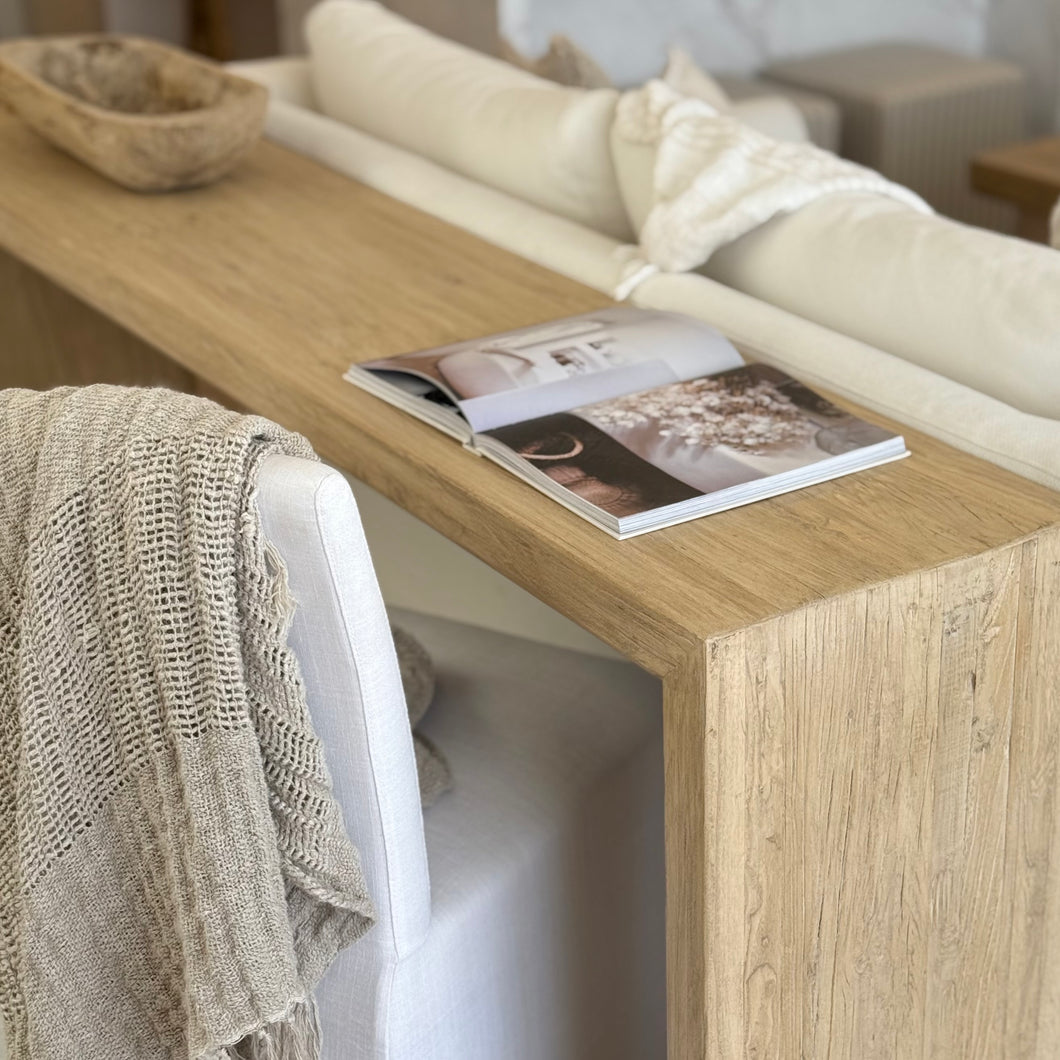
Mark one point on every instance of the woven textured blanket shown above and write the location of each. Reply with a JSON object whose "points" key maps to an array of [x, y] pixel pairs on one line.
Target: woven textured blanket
{"points": [[175, 875]]}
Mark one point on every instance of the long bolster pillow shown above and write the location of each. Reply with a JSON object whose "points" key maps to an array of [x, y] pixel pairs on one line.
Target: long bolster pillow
{"points": [[478, 116], [837, 244], [977, 307]]}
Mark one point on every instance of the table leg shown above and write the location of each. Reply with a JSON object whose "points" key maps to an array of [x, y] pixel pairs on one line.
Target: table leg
{"points": [[862, 823]]}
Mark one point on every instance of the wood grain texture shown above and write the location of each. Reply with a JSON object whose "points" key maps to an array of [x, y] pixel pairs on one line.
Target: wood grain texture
{"points": [[687, 740], [861, 687], [1032, 880], [1027, 174], [880, 820]]}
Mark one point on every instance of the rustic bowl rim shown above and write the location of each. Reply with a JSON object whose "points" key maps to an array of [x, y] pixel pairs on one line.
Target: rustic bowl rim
{"points": [[248, 90]]}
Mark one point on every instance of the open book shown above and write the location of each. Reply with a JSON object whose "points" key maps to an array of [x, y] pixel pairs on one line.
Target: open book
{"points": [[634, 419]]}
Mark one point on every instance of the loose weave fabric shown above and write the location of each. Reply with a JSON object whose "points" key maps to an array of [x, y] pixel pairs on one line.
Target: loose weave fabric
{"points": [[175, 875]]}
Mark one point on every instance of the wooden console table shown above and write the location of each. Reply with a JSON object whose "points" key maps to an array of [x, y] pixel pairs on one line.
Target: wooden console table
{"points": [[862, 689], [1026, 174]]}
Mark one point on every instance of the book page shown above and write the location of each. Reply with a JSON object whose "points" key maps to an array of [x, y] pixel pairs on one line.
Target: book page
{"points": [[645, 451], [560, 365]]}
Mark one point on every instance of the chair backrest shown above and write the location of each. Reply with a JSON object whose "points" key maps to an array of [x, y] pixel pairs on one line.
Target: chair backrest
{"points": [[341, 636]]}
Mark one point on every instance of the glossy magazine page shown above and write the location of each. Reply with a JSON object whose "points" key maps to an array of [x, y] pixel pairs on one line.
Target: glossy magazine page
{"points": [[552, 367], [690, 447]]}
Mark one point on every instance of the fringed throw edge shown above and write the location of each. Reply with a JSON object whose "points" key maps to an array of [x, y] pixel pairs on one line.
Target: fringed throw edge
{"points": [[296, 1037]]}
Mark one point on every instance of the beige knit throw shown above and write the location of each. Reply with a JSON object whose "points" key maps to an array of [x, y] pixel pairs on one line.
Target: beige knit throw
{"points": [[175, 875]]}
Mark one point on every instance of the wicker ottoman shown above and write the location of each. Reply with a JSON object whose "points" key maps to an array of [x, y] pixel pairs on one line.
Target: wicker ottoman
{"points": [[918, 114]]}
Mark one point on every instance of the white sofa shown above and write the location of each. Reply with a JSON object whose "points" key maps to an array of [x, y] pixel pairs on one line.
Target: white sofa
{"points": [[974, 306]]}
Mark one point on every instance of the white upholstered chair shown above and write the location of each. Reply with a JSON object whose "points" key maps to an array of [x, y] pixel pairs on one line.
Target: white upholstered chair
{"points": [[522, 915]]}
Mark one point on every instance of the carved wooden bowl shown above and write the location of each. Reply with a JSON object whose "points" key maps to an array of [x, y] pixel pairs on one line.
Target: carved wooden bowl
{"points": [[149, 116]]}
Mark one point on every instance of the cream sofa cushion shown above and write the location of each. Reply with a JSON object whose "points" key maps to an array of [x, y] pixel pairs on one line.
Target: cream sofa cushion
{"points": [[974, 306], [500, 218], [478, 116]]}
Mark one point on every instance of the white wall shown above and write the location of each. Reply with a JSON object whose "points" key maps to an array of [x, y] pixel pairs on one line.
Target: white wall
{"points": [[1028, 33], [629, 37]]}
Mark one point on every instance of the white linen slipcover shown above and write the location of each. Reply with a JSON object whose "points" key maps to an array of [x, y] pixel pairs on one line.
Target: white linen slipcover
{"points": [[540, 933], [547, 937], [341, 636]]}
